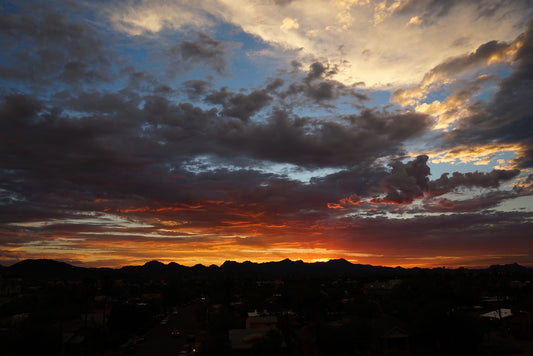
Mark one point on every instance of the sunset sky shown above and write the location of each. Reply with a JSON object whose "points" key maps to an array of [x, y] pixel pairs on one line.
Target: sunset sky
{"points": [[395, 133]]}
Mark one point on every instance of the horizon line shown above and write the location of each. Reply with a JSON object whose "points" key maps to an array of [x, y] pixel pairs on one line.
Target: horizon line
{"points": [[82, 264]]}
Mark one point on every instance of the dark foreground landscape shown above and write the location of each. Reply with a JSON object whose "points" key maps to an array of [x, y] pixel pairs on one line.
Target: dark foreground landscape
{"points": [[278, 308]]}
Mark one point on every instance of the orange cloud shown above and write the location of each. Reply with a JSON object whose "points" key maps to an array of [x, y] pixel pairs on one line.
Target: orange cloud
{"points": [[343, 203], [353, 199], [335, 206], [476, 154]]}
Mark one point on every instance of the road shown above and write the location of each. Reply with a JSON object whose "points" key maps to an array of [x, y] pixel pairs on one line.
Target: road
{"points": [[159, 341]]}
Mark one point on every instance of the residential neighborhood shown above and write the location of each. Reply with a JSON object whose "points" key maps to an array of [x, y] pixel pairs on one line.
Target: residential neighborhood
{"points": [[409, 312]]}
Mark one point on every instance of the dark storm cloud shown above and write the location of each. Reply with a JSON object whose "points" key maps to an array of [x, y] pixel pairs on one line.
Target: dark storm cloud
{"points": [[406, 182], [507, 118], [14, 25], [318, 70], [437, 8], [203, 50], [282, 137], [69, 166], [239, 105], [316, 86], [409, 181], [218, 97], [459, 64], [196, 88], [243, 106], [270, 193], [526, 159], [359, 179], [395, 127], [433, 9], [40, 139], [55, 49], [479, 203], [492, 179], [144, 82], [274, 84], [452, 68], [95, 103], [133, 155], [17, 107], [123, 150], [511, 106], [309, 142], [504, 232]]}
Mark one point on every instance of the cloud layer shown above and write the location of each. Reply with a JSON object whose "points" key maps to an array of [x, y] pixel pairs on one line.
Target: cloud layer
{"points": [[374, 42], [154, 130]]}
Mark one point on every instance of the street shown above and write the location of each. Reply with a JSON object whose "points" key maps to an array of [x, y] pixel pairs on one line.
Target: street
{"points": [[160, 341]]}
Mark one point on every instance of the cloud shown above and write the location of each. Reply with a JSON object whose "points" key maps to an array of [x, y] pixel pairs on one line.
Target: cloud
{"points": [[406, 182], [196, 88], [349, 201], [274, 84], [475, 154], [492, 179], [98, 103], [287, 139], [410, 181], [416, 21], [483, 112], [122, 152], [203, 50], [316, 86], [449, 70], [506, 108], [289, 24], [468, 235], [506, 118], [56, 49], [142, 18], [239, 105], [401, 57], [437, 9], [115, 146], [456, 106], [475, 204]]}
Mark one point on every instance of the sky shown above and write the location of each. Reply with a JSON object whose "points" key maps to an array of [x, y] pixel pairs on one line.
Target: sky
{"points": [[394, 133]]}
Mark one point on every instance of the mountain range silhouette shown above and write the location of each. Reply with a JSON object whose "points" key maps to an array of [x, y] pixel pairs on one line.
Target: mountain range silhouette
{"points": [[45, 269]]}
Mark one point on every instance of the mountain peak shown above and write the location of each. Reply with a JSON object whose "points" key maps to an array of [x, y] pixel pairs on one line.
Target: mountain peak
{"points": [[511, 267], [229, 263], [340, 261], [153, 263], [45, 268]]}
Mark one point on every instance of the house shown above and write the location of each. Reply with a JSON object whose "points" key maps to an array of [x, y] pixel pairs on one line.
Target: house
{"points": [[308, 339], [261, 322], [382, 285], [242, 340], [392, 336], [258, 327], [497, 314], [10, 287]]}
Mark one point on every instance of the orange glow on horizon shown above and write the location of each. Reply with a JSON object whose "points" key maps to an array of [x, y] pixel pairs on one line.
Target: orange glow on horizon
{"points": [[124, 251], [162, 209], [234, 233], [215, 258]]}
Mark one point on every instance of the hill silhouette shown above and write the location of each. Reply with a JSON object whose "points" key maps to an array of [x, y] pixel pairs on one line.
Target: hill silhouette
{"points": [[44, 269]]}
